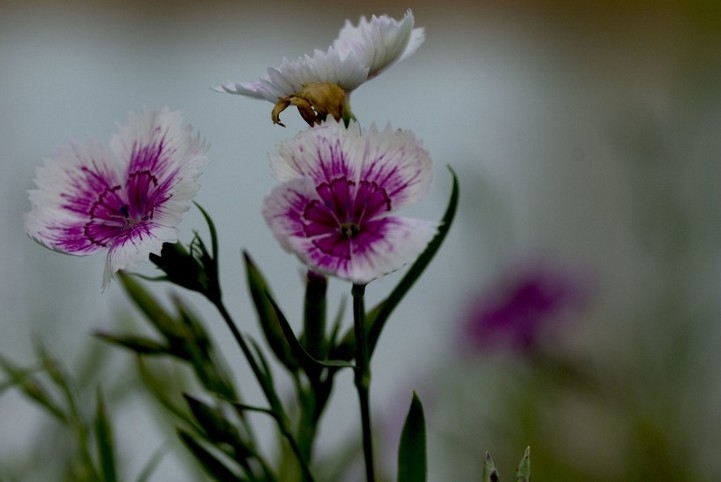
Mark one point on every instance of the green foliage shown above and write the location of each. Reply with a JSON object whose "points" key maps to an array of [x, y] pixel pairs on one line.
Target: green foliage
{"points": [[268, 316], [412, 465], [104, 442], [213, 465], [523, 473], [92, 456]]}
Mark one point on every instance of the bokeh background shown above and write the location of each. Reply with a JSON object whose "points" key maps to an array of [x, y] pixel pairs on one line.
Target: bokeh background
{"points": [[586, 139]]}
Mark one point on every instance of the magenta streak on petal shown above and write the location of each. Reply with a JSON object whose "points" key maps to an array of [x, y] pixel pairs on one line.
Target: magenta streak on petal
{"points": [[370, 201], [391, 180], [142, 183], [114, 214], [336, 166], [342, 221]]}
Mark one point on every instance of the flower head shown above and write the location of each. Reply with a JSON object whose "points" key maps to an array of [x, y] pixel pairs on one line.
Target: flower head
{"points": [[339, 188], [319, 85], [126, 198], [520, 311]]}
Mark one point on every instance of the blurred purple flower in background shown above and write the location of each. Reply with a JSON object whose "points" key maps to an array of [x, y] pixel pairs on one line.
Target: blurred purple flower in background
{"points": [[520, 312]]}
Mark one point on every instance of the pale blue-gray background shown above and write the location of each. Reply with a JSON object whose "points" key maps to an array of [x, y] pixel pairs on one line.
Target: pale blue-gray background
{"points": [[541, 109]]}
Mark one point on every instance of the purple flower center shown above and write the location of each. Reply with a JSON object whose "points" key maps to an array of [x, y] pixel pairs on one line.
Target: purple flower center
{"points": [[345, 214], [117, 212], [112, 215]]}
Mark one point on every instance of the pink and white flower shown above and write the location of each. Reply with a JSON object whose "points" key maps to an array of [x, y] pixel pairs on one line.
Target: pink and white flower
{"points": [[339, 189], [126, 197], [319, 85]]}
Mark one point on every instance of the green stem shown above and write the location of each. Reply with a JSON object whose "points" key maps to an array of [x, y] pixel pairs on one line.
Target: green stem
{"points": [[280, 417], [363, 377]]}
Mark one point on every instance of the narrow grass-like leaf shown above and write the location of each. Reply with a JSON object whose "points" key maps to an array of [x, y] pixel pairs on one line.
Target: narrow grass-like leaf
{"points": [[314, 316], [152, 464], [153, 311], [32, 388], [523, 474], [265, 379], [298, 351], [335, 327], [490, 474], [211, 419], [412, 465], [213, 466], [211, 229], [104, 442], [207, 364], [138, 344], [155, 389], [268, 315]]}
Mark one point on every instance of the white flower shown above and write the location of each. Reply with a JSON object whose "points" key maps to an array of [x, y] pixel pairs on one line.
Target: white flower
{"points": [[319, 85], [126, 198]]}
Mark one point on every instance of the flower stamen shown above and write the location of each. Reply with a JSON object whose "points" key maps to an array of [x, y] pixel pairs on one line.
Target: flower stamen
{"points": [[349, 230]]}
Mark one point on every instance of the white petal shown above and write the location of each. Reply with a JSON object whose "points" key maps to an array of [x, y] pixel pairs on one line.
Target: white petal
{"points": [[178, 165], [402, 244], [380, 42], [403, 240], [70, 175], [393, 159], [292, 75], [312, 152], [397, 162], [136, 249]]}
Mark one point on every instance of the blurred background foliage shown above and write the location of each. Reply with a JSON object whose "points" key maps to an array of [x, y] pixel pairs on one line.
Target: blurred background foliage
{"points": [[586, 138]]}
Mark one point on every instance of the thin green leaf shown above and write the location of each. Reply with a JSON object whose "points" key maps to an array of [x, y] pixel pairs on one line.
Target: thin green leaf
{"points": [[52, 368], [254, 408], [138, 344], [211, 419], [490, 474], [523, 474], [335, 327], [104, 442], [298, 351], [32, 388], [412, 465], [265, 379], [63, 382], [153, 311], [208, 366], [314, 316], [152, 464], [212, 465], [156, 389], [268, 315], [212, 230]]}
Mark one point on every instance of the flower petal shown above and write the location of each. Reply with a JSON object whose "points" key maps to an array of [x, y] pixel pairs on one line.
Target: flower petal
{"points": [[391, 160], [134, 246], [304, 225], [291, 76], [380, 42], [359, 53], [71, 188], [163, 161]]}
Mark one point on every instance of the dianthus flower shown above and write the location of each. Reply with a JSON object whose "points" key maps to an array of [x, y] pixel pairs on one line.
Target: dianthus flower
{"points": [[527, 306], [320, 85], [126, 197], [339, 188]]}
